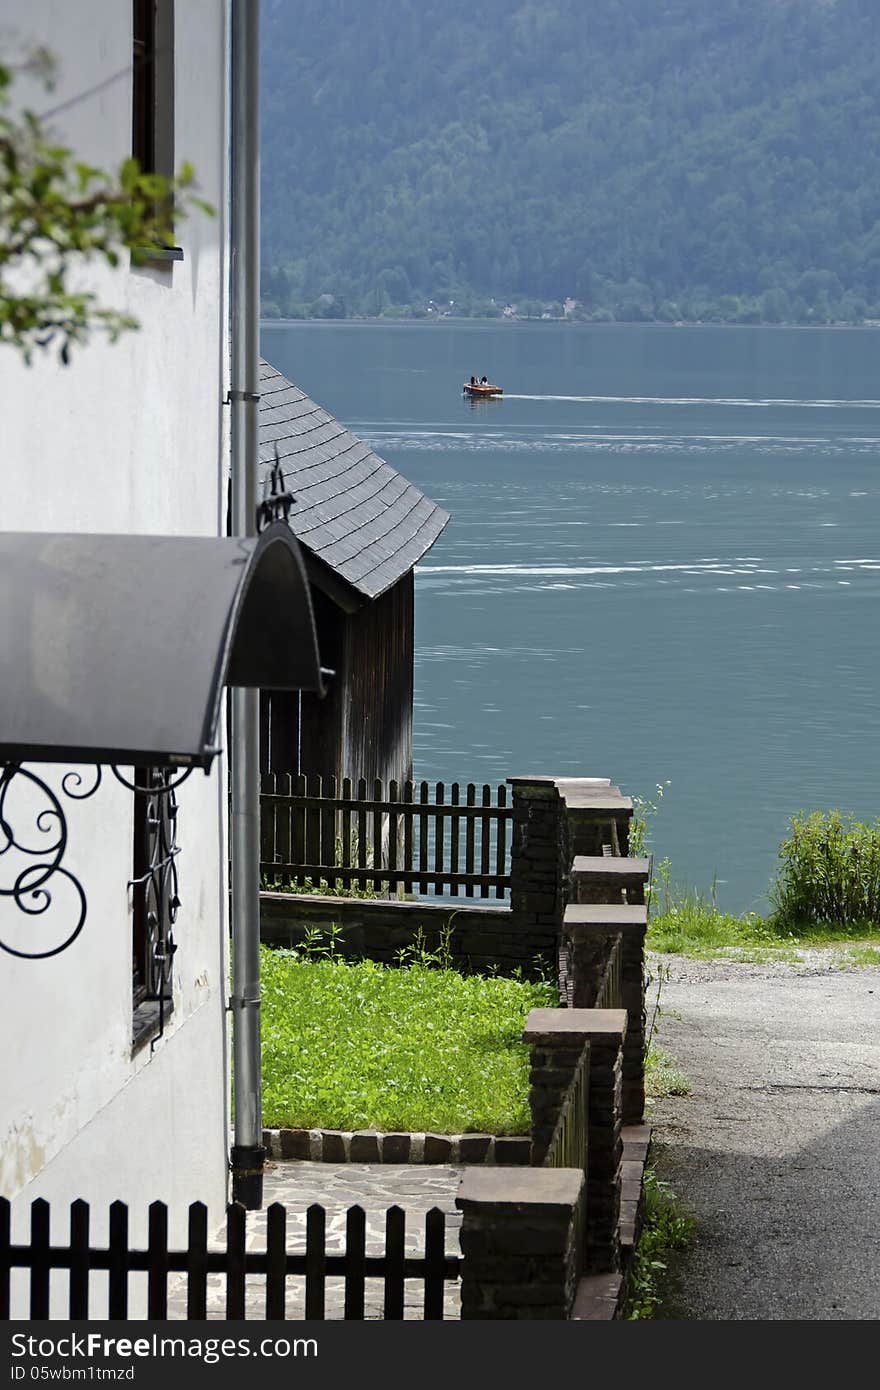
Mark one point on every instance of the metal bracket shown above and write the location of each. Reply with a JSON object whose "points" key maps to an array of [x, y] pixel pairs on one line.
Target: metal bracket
{"points": [[243, 1001], [241, 396]]}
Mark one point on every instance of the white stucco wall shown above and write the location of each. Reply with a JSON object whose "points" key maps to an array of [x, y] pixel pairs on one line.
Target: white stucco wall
{"points": [[128, 438]]}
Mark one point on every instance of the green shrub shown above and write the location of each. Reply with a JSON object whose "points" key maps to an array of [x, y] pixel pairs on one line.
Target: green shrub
{"points": [[829, 874]]}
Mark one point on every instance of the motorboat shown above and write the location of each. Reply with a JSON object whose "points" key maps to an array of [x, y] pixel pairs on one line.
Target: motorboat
{"points": [[481, 390]]}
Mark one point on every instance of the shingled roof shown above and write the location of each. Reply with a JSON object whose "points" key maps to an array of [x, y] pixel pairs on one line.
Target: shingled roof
{"points": [[353, 511]]}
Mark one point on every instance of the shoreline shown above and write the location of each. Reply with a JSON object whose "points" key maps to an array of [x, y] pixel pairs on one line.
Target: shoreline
{"points": [[869, 325]]}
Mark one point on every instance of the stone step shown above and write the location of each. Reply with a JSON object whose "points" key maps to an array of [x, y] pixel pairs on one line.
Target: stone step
{"points": [[598, 1298], [636, 1144]]}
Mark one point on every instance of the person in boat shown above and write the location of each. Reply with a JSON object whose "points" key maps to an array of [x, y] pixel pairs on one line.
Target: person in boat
{"points": [[484, 381], [473, 381]]}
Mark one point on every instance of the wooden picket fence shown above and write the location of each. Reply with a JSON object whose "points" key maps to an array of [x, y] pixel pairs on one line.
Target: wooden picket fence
{"points": [[609, 994], [414, 836], [275, 1264], [568, 1144]]}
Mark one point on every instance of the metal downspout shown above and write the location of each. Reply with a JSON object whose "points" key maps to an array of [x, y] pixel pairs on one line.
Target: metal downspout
{"points": [[248, 1154]]}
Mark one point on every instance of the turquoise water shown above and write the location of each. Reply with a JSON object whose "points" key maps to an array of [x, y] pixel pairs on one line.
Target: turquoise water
{"points": [[661, 564]]}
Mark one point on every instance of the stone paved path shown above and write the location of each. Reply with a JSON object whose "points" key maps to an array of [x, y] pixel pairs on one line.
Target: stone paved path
{"points": [[775, 1151], [415, 1187]]}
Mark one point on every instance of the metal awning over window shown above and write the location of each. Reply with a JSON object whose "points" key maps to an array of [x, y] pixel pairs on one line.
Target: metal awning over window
{"points": [[115, 649]]}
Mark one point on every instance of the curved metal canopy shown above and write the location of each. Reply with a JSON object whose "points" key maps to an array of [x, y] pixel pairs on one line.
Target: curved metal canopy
{"points": [[115, 649]]}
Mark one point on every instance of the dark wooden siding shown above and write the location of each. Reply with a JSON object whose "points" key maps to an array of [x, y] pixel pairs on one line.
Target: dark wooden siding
{"points": [[377, 724], [363, 726]]}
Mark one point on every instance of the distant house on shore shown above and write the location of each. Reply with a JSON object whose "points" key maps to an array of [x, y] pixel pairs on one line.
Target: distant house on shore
{"points": [[362, 528]]}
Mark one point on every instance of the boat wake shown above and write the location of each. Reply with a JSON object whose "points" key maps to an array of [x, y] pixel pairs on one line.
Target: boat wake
{"points": [[750, 402], [589, 439]]}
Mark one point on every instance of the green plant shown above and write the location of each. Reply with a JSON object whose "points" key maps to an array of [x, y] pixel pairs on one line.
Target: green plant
{"points": [[829, 884], [58, 213], [327, 885], [663, 1076], [320, 944], [666, 1228], [862, 955], [322, 888], [644, 811], [829, 874], [418, 952], [687, 921]]}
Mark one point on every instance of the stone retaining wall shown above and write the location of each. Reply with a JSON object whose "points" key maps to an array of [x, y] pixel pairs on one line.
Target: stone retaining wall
{"points": [[485, 938], [369, 1146]]}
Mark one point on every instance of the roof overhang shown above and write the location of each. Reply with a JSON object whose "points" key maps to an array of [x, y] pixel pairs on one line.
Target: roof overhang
{"points": [[116, 649], [338, 590]]}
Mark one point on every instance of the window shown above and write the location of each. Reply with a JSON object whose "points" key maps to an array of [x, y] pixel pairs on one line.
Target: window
{"points": [[152, 115], [154, 902]]}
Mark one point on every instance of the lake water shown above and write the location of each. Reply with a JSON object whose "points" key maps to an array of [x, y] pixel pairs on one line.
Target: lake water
{"points": [[661, 564]]}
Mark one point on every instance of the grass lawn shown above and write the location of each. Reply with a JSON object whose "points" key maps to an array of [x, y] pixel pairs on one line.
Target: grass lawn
{"points": [[362, 1046]]}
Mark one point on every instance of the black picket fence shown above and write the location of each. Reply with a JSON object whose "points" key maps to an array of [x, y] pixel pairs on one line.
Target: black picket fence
{"points": [[274, 1265], [420, 837]]}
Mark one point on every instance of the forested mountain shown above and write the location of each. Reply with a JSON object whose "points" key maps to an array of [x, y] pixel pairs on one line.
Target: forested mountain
{"points": [[673, 159]]}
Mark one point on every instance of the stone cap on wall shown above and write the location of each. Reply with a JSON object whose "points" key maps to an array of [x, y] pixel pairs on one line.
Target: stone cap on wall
{"points": [[551, 1188], [583, 919], [566, 784], [569, 1026], [605, 868], [601, 803]]}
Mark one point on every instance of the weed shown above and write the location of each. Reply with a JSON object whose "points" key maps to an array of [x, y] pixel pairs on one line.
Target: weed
{"points": [[665, 1229], [644, 812], [322, 887], [689, 922], [663, 1076], [861, 955], [826, 892], [418, 952], [320, 944]]}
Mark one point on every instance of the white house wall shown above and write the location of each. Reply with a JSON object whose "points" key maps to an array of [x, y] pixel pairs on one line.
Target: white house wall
{"points": [[128, 438]]}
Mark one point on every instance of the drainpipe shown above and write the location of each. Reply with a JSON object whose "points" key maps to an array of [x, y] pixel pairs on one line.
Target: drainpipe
{"points": [[248, 1154]]}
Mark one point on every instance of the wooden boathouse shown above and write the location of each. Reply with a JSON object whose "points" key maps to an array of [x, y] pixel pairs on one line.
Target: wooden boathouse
{"points": [[362, 527]]}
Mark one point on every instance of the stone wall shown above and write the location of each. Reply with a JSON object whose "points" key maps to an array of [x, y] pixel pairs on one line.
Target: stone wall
{"points": [[539, 864], [521, 1238], [484, 938], [558, 1038], [587, 928]]}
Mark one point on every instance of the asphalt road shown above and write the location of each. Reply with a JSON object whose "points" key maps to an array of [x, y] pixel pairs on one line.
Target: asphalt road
{"points": [[776, 1151]]}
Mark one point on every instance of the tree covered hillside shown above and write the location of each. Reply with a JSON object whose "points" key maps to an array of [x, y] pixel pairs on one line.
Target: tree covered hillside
{"points": [[673, 159]]}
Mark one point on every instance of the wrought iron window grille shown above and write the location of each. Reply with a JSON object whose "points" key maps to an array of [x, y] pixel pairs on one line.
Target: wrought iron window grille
{"points": [[155, 899], [34, 872]]}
